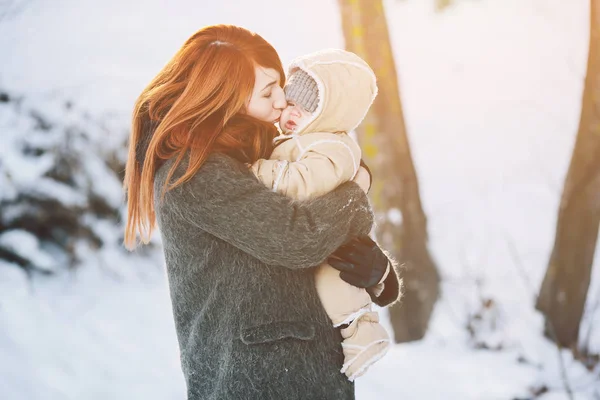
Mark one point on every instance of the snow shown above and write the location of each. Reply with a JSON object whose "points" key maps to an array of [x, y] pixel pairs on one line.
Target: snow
{"points": [[27, 245], [491, 92], [89, 336]]}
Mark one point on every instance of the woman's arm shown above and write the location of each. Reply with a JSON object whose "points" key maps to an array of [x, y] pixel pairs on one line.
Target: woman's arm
{"points": [[364, 264], [227, 201]]}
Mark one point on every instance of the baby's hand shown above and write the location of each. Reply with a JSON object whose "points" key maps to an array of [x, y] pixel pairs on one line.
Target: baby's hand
{"points": [[363, 179]]}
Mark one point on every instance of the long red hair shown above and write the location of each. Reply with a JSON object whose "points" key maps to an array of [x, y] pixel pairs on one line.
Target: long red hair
{"points": [[195, 106]]}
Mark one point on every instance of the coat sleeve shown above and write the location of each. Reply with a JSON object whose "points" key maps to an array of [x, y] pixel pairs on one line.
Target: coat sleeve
{"points": [[392, 287], [224, 199], [322, 166]]}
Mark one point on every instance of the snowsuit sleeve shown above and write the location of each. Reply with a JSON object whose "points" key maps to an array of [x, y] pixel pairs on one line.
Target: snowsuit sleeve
{"points": [[321, 167]]}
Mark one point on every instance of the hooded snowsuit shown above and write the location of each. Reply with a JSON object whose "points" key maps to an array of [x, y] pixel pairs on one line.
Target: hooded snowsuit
{"points": [[315, 159]]}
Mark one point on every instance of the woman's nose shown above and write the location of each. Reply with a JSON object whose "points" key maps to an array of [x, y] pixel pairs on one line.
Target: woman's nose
{"points": [[279, 102]]}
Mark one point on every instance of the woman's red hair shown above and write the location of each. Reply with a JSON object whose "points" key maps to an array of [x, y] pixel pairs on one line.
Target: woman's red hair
{"points": [[193, 107]]}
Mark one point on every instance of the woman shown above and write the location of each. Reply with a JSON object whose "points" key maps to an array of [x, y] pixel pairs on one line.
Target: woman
{"points": [[248, 318]]}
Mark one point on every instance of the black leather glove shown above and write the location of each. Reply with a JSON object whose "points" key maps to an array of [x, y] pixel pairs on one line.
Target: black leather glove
{"points": [[361, 262]]}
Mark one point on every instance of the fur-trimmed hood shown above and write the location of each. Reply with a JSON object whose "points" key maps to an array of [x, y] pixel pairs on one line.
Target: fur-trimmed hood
{"points": [[347, 88]]}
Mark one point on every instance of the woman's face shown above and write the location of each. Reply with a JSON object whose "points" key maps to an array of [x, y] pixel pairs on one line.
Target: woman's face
{"points": [[268, 98]]}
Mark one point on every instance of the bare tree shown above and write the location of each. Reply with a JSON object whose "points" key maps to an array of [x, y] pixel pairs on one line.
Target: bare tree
{"points": [[441, 5], [564, 289], [386, 150]]}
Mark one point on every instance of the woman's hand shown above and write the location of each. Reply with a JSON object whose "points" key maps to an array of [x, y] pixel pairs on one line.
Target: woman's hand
{"points": [[361, 262]]}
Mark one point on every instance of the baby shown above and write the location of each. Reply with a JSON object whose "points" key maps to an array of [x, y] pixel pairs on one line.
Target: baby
{"points": [[328, 94]]}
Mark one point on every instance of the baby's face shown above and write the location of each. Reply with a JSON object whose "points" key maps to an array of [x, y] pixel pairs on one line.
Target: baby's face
{"points": [[292, 116]]}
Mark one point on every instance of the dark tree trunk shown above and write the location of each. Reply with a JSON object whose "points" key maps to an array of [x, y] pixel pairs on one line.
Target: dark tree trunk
{"points": [[564, 289]]}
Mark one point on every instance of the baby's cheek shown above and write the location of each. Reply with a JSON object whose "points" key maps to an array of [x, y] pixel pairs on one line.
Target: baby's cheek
{"points": [[285, 116], [282, 120], [302, 119]]}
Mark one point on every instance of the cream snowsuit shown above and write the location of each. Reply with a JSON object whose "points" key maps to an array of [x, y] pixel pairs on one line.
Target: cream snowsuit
{"points": [[315, 159]]}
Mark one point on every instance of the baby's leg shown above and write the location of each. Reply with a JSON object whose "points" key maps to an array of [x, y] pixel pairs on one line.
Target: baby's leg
{"points": [[342, 301], [365, 339], [365, 342]]}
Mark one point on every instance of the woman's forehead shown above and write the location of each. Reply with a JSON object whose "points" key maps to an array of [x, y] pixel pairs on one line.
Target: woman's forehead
{"points": [[267, 74]]}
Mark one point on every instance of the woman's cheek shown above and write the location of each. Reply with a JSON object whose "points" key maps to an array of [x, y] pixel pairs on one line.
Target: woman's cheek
{"points": [[260, 109], [269, 111]]}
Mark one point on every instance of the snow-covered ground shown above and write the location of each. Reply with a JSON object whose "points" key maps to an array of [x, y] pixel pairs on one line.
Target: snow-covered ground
{"points": [[491, 91]]}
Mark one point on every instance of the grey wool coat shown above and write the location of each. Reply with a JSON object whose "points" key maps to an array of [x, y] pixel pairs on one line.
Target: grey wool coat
{"points": [[249, 322]]}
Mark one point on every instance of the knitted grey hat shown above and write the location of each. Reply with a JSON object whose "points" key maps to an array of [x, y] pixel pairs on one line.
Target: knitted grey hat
{"points": [[302, 89]]}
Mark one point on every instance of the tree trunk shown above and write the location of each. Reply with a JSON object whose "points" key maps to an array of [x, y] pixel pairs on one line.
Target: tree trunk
{"points": [[395, 189], [565, 286]]}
